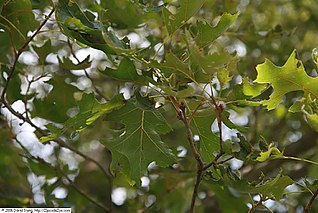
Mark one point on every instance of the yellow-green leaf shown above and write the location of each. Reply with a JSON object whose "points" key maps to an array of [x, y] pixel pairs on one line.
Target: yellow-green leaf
{"points": [[285, 79]]}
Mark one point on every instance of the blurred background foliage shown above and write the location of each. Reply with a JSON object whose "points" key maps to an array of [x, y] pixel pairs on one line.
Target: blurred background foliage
{"points": [[52, 89]]}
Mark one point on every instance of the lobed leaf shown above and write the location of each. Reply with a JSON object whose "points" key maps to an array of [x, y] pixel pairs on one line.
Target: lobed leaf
{"points": [[139, 142], [187, 9], [206, 34], [290, 77]]}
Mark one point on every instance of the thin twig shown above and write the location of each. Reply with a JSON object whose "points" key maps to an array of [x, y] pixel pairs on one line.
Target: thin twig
{"points": [[83, 193], [56, 168], [27, 119], [311, 201], [20, 51], [185, 120]]}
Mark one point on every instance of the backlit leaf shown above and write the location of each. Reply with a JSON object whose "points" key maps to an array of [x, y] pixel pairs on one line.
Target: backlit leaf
{"points": [[285, 79]]}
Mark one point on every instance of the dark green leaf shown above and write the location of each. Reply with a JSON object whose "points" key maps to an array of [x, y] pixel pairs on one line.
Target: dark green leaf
{"points": [[67, 64], [140, 143], [207, 34], [54, 107], [187, 9], [126, 71]]}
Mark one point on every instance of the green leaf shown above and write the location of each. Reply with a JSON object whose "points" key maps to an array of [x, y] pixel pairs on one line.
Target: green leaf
{"points": [[75, 24], [273, 188], [43, 51], [208, 142], [312, 120], [140, 143], [54, 107], [296, 107], [224, 76], [285, 79], [173, 64], [122, 14], [18, 19], [14, 89], [67, 64], [206, 34], [252, 90], [90, 111], [271, 152], [186, 91], [126, 71], [245, 148], [204, 66], [187, 9], [225, 197]]}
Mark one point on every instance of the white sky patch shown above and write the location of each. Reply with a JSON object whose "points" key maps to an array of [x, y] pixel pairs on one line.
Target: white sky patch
{"points": [[152, 165], [52, 58], [159, 48], [239, 119], [125, 92], [28, 58], [196, 137], [150, 200], [60, 193], [227, 133], [182, 151], [239, 47], [145, 181], [119, 195], [236, 164]]}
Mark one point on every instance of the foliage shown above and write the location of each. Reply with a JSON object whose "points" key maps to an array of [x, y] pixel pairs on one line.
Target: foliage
{"points": [[159, 105]]}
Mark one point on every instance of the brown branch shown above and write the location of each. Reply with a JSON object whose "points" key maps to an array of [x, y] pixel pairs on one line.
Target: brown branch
{"points": [[311, 201], [181, 111], [57, 169], [200, 164], [196, 188], [83, 193], [20, 51], [183, 117], [27, 119]]}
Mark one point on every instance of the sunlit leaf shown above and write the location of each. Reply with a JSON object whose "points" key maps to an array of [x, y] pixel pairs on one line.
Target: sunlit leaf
{"points": [[271, 152], [252, 90], [90, 111], [285, 79]]}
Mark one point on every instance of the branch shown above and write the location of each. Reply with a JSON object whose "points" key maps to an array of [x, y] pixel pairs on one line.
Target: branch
{"points": [[183, 117], [311, 201], [200, 164], [27, 119], [83, 193], [56, 168], [20, 51]]}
